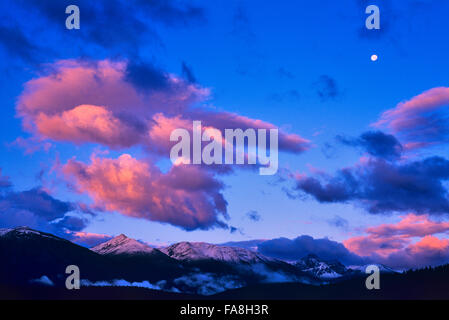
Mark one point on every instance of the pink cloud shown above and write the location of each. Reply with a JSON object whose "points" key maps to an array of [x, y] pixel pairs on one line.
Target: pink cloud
{"points": [[88, 123], [428, 244], [396, 245], [84, 102], [105, 103], [186, 196], [77, 93], [411, 225], [227, 120], [369, 245], [88, 239], [420, 121]]}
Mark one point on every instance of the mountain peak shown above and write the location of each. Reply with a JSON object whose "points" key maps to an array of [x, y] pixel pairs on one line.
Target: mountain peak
{"points": [[205, 251], [25, 231], [312, 264], [121, 244]]}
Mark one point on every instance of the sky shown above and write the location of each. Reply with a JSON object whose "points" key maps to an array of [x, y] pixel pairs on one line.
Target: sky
{"points": [[363, 163]]}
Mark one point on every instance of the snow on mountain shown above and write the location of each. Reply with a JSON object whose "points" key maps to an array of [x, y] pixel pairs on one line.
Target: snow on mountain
{"points": [[312, 265], [204, 251], [25, 231], [4, 231], [122, 245], [382, 268]]}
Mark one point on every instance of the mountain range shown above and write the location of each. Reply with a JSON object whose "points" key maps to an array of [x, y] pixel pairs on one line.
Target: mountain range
{"points": [[30, 257]]}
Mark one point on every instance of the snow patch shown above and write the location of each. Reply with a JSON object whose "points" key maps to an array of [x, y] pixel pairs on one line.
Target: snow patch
{"points": [[203, 251], [122, 245]]}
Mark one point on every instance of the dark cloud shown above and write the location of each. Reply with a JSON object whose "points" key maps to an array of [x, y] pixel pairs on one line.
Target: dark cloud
{"points": [[37, 209], [71, 223], [118, 26], [16, 44], [283, 248], [339, 222], [146, 76], [326, 88], [382, 187], [421, 121], [253, 215], [38, 202], [233, 229], [376, 143], [188, 73], [329, 151]]}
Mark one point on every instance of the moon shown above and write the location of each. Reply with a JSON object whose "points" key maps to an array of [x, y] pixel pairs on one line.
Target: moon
{"points": [[374, 57]]}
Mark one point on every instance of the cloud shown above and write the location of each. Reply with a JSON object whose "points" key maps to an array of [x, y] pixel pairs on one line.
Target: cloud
{"points": [[37, 201], [122, 106], [120, 283], [287, 249], [111, 111], [118, 27], [146, 76], [43, 280], [30, 145], [383, 187], [88, 239], [339, 222], [421, 121], [37, 209], [188, 73], [16, 44], [327, 88], [71, 223], [186, 196], [288, 142], [376, 143], [253, 215], [208, 283], [410, 243], [88, 123]]}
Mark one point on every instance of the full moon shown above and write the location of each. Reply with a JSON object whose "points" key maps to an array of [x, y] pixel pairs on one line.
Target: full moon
{"points": [[374, 57]]}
